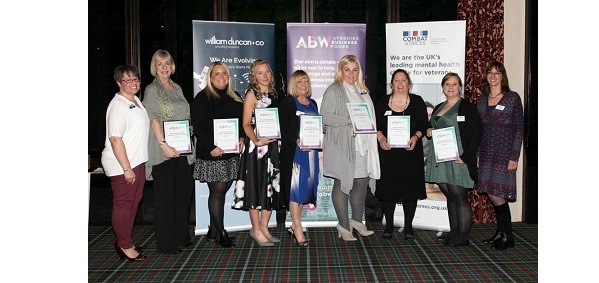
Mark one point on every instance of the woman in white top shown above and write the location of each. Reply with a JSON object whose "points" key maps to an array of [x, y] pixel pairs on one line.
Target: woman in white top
{"points": [[124, 157]]}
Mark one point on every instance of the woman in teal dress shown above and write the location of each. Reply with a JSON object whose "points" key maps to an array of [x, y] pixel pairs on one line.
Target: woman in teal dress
{"points": [[456, 177]]}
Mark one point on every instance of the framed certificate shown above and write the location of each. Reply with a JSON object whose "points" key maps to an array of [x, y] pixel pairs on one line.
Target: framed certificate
{"points": [[445, 144], [226, 134], [361, 118], [398, 131], [267, 123], [178, 135], [310, 134]]}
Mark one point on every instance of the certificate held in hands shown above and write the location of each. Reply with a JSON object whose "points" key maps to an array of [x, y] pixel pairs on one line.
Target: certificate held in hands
{"points": [[310, 134], [178, 135], [445, 144], [267, 123], [226, 134], [398, 131], [361, 118]]}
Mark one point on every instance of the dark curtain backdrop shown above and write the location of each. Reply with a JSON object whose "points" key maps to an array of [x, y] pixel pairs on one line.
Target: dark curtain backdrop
{"points": [[484, 43]]}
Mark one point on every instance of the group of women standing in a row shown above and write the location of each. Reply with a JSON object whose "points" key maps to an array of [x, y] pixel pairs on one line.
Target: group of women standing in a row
{"points": [[488, 136], [268, 179]]}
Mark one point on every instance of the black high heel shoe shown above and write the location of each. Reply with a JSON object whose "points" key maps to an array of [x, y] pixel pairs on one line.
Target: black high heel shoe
{"points": [[123, 255], [388, 233], [295, 240]]}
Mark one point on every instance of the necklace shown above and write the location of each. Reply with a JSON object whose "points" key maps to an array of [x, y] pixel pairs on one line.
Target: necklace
{"points": [[405, 107], [493, 97]]}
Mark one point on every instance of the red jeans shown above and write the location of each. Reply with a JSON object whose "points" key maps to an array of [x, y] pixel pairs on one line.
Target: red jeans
{"points": [[125, 199]]}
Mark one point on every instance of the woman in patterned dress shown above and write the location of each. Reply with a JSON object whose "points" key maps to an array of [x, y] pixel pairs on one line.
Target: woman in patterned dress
{"points": [[503, 131], [257, 189]]}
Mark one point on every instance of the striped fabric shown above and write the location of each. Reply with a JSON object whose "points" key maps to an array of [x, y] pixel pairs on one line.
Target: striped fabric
{"points": [[327, 259]]}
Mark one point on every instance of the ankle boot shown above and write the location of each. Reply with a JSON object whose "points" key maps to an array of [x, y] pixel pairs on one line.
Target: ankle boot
{"points": [[344, 234], [506, 241], [224, 240], [360, 227], [210, 236]]}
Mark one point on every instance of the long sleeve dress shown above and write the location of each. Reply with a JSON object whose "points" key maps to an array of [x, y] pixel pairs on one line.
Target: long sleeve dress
{"points": [[503, 133], [402, 171]]}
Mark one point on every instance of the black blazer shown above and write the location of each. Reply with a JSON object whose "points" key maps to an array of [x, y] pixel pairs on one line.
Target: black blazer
{"points": [[470, 134]]}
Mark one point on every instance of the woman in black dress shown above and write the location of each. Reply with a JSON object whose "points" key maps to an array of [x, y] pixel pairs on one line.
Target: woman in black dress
{"points": [[402, 175]]}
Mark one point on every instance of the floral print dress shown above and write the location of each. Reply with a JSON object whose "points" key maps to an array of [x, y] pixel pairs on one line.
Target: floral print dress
{"points": [[257, 186]]}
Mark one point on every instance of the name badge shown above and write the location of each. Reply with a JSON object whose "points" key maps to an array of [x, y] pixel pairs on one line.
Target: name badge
{"points": [[499, 107], [387, 113], [461, 118], [299, 113]]}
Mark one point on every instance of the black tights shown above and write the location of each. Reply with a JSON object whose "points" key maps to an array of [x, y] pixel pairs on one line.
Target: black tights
{"points": [[458, 210], [409, 211], [216, 205]]}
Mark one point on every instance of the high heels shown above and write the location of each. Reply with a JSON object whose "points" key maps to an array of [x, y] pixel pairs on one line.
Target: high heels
{"points": [[123, 255], [262, 244], [295, 240], [344, 234], [493, 239], [360, 227], [274, 239]]}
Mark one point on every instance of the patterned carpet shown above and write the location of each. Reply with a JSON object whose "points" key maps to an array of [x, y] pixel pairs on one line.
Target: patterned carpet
{"points": [[327, 259]]}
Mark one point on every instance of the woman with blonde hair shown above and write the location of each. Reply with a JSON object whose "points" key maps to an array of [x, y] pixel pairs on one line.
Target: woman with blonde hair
{"points": [[257, 189], [351, 159]]}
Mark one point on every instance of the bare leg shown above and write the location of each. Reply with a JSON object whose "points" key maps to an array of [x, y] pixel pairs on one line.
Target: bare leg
{"points": [[296, 217], [264, 219], [256, 227]]}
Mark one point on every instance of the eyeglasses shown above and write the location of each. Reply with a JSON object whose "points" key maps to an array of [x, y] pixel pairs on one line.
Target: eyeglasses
{"points": [[494, 73], [131, 81]]}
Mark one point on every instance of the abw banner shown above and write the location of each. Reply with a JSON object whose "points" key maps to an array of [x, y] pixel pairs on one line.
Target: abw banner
{"points": [[316, 49]]}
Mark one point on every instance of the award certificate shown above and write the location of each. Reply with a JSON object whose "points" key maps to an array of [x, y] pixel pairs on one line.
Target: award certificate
{"points": [[361, 118], [310, 134], [178, 135], [226, 134], [267, 123], [398, 131], [445, 144]]}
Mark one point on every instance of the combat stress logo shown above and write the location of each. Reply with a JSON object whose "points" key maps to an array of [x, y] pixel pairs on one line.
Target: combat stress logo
{"points": [[232, 43], [317, 41], [415, 37]]}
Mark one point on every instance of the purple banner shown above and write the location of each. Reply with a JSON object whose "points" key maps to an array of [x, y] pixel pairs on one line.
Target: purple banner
{"points": [[317, 48]]}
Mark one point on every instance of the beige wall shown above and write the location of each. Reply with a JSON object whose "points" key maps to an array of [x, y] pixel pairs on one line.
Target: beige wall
{"points": [[514, 63]]}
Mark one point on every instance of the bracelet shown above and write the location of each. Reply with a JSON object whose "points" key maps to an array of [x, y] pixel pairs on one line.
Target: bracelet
{"points": [[125, 170], [379, 138], [162, 142], [416, 136]]}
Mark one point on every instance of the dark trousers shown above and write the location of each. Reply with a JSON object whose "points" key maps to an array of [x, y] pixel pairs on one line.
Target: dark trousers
{"points": [[125, 200], [173, 193]]}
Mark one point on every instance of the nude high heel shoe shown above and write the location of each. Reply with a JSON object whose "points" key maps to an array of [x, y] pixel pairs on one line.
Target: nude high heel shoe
{"points": [[360, 227], [344, 234]]}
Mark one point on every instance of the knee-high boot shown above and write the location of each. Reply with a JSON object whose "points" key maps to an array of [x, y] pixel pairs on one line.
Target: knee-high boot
{"points": [[507, 237], [498, 215]]}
